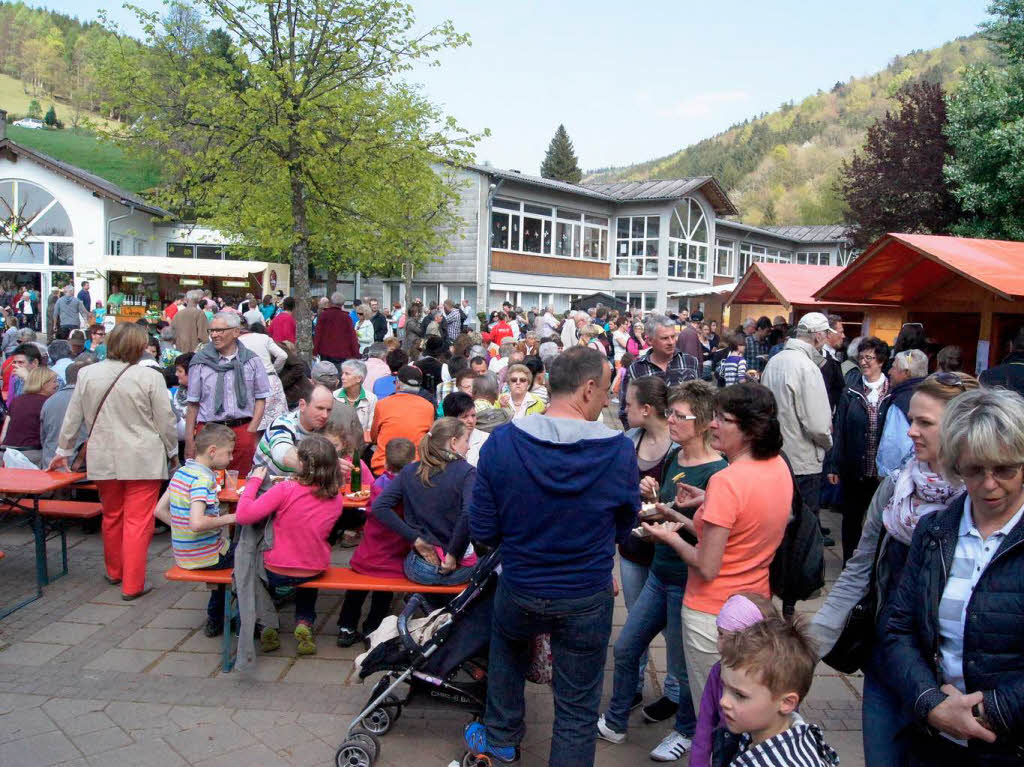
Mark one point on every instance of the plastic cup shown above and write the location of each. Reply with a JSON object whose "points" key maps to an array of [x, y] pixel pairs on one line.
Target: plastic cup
{"points": [[231, 479]]}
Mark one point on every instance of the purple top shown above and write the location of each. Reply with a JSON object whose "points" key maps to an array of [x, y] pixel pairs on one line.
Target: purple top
{"points": [[202, 383], [709, 718]]}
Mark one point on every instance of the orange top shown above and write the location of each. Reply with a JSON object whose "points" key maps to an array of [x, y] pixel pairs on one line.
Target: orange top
{"points": [[753, 499], [399, 415]]}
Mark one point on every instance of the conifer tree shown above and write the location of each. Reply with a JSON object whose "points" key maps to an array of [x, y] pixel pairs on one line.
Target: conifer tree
{"points": [[560, 162]]}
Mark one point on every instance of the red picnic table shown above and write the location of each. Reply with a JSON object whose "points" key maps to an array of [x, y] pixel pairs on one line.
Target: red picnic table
{"points": [[231, 496], [20, 490]]}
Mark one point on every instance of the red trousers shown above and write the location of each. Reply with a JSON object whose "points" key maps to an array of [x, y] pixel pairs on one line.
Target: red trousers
{"points": [[128, 528], [245, 448]]}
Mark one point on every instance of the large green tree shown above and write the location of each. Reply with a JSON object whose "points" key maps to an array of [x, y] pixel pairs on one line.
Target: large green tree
{"points": [[560, 161], [295, 134], [986, 134]]}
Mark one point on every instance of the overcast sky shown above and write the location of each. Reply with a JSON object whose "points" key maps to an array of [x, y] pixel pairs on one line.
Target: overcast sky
{"points": [[636, 80]]}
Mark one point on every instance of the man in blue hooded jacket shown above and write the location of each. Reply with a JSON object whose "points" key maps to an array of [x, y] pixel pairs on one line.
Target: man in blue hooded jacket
{"points": [[556, 492]]}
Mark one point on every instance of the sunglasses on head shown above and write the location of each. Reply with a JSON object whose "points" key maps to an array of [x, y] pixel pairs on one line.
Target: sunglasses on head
{"points": [[949, 379]]}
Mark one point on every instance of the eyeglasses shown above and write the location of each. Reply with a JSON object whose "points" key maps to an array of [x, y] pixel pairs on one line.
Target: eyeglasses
{"points": [[979, 473], [949, 379], [867, 358], [671, 414], [723, 418], [519, 380], [220, 330]]}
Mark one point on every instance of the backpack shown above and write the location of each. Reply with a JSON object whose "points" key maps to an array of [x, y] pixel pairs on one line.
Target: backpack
{"points": [[798, 568]]}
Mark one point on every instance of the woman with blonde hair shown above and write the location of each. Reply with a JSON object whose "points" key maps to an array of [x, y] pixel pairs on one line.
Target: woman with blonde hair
{"points": [[435, 493], [21, 429], [364, 328], [132, 438]]}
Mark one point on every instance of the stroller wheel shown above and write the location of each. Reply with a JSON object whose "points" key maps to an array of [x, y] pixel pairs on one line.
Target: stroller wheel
{"points": [[367, 739], [353, 754], [476, 760], [383, 718]]}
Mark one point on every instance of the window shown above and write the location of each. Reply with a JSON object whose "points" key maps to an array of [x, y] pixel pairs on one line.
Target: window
{"points": [[750, 254], [636, 246], [115, 246], [62, 254], [29, 211], [688, 242], [642, 301], [140, 247], [723, 257], [542, 230], [819, 258], [178, 250], [210, 251]]}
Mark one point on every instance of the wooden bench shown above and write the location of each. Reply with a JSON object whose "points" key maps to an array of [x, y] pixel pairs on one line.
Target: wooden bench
{"points": [[59, 509], [333, 579]]}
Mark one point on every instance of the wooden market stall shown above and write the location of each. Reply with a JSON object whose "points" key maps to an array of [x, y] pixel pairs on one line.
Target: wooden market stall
{"points": [[964, 291], [788, 290]]}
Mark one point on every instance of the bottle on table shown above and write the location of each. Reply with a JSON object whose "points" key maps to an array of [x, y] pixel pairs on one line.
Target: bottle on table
{"points": [[356, 478]]}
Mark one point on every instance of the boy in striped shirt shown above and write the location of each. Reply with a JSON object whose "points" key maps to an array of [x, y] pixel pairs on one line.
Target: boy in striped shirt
{"points": [[191, 509]]}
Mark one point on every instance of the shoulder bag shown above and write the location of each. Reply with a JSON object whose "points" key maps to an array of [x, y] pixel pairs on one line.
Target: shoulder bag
{"points": [[852, 648], [79, 463]]}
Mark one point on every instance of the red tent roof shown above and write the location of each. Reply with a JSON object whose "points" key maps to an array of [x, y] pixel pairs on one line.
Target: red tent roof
{"points": [[785, 284], [902, 268]]}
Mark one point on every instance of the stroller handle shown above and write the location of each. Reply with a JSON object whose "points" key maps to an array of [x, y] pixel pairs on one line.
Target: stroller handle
{"points": [[411, 607]]}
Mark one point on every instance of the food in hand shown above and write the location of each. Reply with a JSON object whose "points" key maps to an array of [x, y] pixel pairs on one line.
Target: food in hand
{"points": [[648, 511]]}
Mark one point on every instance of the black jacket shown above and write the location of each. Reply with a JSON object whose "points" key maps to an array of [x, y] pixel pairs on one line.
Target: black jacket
{"points": [[993, 639], [380, 327], [834, 381], [900, 397], [1009, 375], [850, 431]]}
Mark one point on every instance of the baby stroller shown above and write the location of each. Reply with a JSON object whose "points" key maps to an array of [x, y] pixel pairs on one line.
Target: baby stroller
{"points": [[448, 669]]}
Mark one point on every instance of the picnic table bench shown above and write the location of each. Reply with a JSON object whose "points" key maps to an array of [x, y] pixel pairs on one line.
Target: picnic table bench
{"points": [[333, 579]]}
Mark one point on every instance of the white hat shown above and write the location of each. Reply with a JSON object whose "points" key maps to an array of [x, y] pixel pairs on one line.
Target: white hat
{"points": [[813, 322]]}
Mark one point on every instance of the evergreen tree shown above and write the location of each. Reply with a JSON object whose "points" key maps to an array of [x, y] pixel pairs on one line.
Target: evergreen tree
{"points": [[51, 117], [560, 162]]}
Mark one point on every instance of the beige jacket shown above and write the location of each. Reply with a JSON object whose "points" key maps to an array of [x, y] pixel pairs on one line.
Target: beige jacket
{"points": [[136, 432]]}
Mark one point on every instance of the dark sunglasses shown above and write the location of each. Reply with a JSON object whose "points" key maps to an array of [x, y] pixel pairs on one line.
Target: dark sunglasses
{"points": [[949, 379]]}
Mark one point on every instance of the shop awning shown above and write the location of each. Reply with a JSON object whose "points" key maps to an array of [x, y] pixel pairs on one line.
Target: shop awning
{"points": [[705, 290], [902, 268], [200, 267], [784, 284]]}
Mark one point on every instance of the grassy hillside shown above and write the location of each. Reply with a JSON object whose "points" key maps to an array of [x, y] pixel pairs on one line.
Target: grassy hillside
{"points": [[14, 99], [781, 167], [87, 151]]}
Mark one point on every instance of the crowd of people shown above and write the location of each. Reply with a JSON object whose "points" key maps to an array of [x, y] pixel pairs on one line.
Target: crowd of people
{"points": [[470, 432]]}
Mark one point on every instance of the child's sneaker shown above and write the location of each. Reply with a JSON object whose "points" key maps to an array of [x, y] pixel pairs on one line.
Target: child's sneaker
{"points": [[475, 736], [348, 637], [269, 640], [672, 747], [304, 637], [607, 733]]}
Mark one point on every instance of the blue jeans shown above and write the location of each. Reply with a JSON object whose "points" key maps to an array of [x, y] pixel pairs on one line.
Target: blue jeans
{"points": [[658, 608], [887, 729], [305, 599], [215, 607], [633, 578], [418, 570], [580, 628]]}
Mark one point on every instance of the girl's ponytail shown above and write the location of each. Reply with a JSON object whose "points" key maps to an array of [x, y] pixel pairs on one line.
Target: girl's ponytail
{"points": [[435, 448]]}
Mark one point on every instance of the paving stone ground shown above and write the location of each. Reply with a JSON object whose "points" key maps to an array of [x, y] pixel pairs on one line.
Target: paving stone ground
{"points": [[87, 679]]}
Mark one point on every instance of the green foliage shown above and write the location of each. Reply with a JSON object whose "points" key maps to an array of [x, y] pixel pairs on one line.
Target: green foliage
{"points": [[560, 161], [51, 117], [34, 109], [818, 133], [297, 136], [986, 134], [136, 174]]}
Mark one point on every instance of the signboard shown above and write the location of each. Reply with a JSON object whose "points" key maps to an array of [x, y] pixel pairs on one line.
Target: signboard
{"points": [[190, 281], [234, 283], [129, 278], [273, 279]]}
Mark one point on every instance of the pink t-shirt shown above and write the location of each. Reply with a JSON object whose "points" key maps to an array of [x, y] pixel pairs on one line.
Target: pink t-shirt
{"points": [[302, 523], [282, 327]]}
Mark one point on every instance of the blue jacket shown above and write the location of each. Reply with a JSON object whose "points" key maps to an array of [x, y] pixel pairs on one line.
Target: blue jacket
{"points": [[993, 639], [556, 494]]}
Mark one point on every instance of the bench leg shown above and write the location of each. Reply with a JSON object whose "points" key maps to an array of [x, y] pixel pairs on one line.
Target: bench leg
{"points": [[227, 659], [39, 534]]}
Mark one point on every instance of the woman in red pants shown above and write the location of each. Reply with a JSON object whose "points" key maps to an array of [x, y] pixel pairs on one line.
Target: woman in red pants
{"points": [[132, 439]]}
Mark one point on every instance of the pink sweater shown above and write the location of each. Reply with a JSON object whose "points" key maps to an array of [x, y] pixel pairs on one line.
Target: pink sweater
{"points": [[301, 525]]}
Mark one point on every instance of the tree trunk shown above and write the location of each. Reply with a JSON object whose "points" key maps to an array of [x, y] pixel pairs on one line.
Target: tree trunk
{"points": [[300, 259], [331, 283], [407, 275]]}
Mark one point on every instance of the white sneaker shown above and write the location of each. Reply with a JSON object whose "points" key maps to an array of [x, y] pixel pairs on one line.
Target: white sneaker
{"points": [[672, 747], [607, 733]]}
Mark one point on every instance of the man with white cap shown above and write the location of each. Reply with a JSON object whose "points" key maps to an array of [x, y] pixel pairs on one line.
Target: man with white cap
{"points": [[794, 376]]}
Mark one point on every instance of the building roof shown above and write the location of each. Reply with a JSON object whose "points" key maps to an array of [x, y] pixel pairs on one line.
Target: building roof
{"points": [[904, 268], [626, 191], [705, 290], [786, 284], [97, 184], [798, 234]]}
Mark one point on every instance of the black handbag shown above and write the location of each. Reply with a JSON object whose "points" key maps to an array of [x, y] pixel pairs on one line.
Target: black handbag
{"points": [[852, 649]]}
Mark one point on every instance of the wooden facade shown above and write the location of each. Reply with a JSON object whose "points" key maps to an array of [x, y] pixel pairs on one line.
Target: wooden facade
{"points": [[502, 261]]}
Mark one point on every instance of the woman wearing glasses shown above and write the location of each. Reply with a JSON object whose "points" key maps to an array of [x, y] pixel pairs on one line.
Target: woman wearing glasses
{"points": [[954, 644], [874, 570], [856, 427], [658, 605], [519, 399]]}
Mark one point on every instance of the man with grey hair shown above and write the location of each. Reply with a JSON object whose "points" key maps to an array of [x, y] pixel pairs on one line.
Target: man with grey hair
{"points": [[662, 359], [908, 369], [547, 324], [190, 325], [69, 309], [570, 328], [805, 417], [334, 339], [353, 392], [51, 417]]}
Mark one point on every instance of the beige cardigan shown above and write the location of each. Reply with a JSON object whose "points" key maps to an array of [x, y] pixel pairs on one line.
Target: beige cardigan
{"points": [[136, 432]]}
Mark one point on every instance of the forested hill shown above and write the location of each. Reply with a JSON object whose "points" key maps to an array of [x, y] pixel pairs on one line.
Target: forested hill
{"points": [[780, 168]]}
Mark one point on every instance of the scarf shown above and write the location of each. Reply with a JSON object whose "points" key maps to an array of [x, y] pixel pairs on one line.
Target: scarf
{"points": [[738, 613], [918, 492], [211, 358]]}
